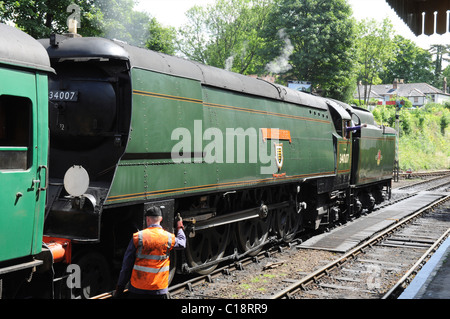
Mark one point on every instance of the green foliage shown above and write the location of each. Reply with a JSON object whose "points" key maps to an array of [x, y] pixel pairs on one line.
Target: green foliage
{"points": [[225, 34], [374, 49], [321, 34], [40, 18], [384, 115], [446, 74], [372, 102], [113, 19], [442, 53], [408, 62], [308, 40], [445, 120], [121, 22], [424, 135], [161, 39]]}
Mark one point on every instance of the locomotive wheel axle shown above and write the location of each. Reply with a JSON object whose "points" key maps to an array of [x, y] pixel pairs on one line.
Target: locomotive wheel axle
{"points": [[261, 212], [209, 234]]}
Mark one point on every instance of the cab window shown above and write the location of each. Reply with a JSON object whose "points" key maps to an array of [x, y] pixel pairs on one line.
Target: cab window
{"points": [[338, 122]]}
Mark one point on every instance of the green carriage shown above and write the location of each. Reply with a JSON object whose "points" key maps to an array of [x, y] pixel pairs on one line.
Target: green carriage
{"points": [[24, 67]]}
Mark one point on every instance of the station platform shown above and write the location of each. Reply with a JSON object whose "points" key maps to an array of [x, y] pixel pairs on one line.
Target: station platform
{"points": [[345, 238], [433, 280]]}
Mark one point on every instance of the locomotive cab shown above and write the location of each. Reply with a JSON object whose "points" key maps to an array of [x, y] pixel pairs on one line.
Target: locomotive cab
{"points": [[341, 141]]}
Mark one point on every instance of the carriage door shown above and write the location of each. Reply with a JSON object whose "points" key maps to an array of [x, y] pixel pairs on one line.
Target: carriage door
{"points": [[19, 176]]}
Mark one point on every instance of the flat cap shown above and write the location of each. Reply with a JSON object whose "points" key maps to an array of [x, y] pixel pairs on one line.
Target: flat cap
{"points": [[153, 211]]}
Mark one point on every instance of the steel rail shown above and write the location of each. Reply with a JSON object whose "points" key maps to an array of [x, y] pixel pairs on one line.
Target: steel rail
{"points": [[299, 285], [404, 175], [417, 266], [426, 181], [274, 246], [238, 264]]}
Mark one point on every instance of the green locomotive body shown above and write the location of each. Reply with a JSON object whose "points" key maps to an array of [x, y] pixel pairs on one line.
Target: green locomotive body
{"points": [[372, 166], [240, 159], [376, 148], [190, 138]]}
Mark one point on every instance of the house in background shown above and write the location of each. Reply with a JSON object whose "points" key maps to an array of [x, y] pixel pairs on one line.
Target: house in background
{"points": [[418, 93]]}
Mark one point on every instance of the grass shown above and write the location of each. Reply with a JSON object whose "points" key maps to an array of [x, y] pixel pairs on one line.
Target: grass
{"points": [[424, 135], [254, 282]]}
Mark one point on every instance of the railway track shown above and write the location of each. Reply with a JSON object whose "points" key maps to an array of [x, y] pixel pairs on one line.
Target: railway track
{"points": [[286, 271], [372, 270], [410, 175], [440, 183]]}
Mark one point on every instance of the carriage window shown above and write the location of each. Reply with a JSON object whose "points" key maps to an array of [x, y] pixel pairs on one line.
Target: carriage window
{"points": [[15, 132]]}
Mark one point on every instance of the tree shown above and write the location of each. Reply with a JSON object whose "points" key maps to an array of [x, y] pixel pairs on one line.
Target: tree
{"points": [[446, 72], [161, 39], [225, 34], [440, 51], [374, 49], [321, 34], [121, 22], [106, 18], [446, 75], [408, 62], [40, 18], [193, 37]]}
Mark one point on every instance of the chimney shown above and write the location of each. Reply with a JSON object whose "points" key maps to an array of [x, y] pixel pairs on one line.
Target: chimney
{"points": [[394, 85]]}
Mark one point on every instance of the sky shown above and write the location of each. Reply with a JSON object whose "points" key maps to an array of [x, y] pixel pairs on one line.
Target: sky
{"points": [[171, 13]]}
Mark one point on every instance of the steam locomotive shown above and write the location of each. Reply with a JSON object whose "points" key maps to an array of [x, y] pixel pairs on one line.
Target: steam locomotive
{"points": [[241, 160]]}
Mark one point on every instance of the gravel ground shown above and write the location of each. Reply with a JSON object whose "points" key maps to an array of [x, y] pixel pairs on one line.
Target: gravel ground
{"points": [[256, 280]]}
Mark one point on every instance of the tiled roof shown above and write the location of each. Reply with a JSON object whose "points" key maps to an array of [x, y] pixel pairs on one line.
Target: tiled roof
{"points": [[373, 94], [408, 89]]}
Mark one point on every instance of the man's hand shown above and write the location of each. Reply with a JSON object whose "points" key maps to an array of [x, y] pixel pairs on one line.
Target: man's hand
{"points": [[179, 222]]}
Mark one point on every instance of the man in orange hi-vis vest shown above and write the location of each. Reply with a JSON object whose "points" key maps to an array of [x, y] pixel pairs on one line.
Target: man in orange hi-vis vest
{"points": [[146, 261]]}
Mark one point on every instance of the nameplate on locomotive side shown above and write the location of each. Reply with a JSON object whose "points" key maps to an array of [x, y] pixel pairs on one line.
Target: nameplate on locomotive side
{"points": [[277, 134]]}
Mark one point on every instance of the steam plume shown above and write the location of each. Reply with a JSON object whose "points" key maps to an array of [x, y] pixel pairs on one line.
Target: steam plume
{"points": [[281, 63]]}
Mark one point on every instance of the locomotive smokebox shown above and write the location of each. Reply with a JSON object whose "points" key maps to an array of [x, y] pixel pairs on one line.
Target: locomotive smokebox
{"points": [[82, 113]]}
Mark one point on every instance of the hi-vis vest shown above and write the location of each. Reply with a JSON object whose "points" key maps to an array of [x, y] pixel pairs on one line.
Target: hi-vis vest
{"points": [[151, 268]]}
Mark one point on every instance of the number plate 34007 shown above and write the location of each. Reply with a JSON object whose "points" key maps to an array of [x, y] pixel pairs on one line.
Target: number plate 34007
{"points": [[71, 96]]}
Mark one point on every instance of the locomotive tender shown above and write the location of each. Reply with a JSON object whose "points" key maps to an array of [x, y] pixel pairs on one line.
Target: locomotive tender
{"points": [[240, 159]]}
